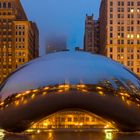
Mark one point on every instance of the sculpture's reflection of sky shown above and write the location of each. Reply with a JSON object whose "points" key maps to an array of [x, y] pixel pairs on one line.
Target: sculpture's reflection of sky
{"points": [[64, 17]]}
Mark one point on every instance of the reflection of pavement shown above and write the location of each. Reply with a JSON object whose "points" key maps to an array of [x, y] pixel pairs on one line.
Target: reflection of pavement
{"points": [[75, 136]]}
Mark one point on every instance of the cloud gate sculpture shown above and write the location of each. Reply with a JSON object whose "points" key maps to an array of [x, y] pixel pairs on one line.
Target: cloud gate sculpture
{"points": [[70, 80]]}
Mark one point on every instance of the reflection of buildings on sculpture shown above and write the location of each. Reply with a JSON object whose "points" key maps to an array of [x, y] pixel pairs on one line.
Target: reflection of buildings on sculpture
{"points": [[79, 49], [109, 90], [56, 43], [72, 120]]}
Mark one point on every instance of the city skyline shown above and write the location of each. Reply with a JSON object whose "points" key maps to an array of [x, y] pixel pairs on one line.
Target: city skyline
{"points": [[94, 87], [70, 21]]}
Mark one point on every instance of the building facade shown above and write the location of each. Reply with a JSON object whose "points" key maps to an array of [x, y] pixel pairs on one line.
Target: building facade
{"points": [[18, 37], [120, 32], [97, 36], [89, 34]]}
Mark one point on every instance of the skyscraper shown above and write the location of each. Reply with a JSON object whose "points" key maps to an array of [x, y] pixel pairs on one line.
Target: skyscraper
{"points": [[89, 34], [120, 32], [56, 43], [97, 36], [18, 37]]}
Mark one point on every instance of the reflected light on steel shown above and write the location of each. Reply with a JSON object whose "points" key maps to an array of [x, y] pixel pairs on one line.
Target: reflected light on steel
{"points": [[107, 87], [109, 134]]}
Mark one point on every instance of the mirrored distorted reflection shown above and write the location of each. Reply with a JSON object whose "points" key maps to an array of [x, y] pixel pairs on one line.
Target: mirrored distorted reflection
{"points": [[41, 91], [107, 135]]}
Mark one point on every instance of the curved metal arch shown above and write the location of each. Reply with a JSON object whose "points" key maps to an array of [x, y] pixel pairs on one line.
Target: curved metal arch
{"points": [[75, 110]]}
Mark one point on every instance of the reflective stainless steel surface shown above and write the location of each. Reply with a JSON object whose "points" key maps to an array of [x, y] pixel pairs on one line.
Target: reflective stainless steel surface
{"points": [[70, 80], [90, 135]]}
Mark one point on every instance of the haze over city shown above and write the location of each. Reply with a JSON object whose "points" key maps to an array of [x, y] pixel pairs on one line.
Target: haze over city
{"points": [[66, 17]]}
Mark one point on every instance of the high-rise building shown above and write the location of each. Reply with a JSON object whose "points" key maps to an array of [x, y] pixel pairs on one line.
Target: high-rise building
{"points": [[97, 36], [92, 35], [18, 37], [89, 34], [56, 43], [120, 31]]}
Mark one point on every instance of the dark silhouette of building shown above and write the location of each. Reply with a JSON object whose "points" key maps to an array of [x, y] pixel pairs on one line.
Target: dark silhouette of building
{"points": [[97, 36], [56, 43]]}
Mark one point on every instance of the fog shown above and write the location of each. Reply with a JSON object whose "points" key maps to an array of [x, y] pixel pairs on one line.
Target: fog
{"points": [[61, 17]]}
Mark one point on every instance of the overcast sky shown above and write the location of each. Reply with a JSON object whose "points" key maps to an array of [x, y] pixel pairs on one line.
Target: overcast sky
{"points": [[64, 17]]}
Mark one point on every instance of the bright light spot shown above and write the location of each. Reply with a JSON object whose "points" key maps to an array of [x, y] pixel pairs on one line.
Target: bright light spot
{"points": [[138, 36], [99, 88], [50, 134], [132, 36], [81, 124], [122, 57], [60, 90], [2, 103], [30, 130], [101, 93], [132, 10], [63, 86], [107, 126], [81, 86], [38, 131], [27, 91], [33, 96], [16, 103], [45, 124], [128, 36], [19, 95], [44, 93], [46, 88], [35, 90], [22, 99], [108, 134], [123, 98], [2, 134]]}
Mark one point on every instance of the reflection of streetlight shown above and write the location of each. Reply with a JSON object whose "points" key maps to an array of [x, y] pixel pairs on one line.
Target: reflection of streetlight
{"points": [[2, 135], [101, 92], [38, 131], [107, 126], [50, 136], [81, 124], [108, 134], [99, 88], [45, 124], [33, 96]]}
